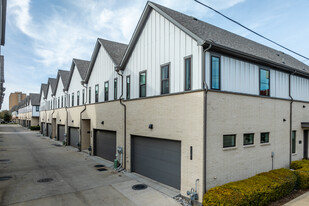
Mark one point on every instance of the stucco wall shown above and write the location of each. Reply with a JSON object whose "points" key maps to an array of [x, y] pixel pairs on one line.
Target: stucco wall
{"points": [[174, 117]]}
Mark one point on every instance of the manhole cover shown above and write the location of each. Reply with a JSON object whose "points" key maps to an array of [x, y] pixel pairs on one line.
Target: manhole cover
{"points": [[139, 187], [99, 165], [5, 178], [102, 169], [45, 180], [4, 160]]}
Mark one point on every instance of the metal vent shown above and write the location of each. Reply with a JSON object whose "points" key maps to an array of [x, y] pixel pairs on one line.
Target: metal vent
{"points": [[99, 165], [101, 169], [139, 187]]}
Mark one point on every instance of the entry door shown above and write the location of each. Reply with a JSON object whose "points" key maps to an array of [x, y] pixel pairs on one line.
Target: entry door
{"points": [[306, 144]]}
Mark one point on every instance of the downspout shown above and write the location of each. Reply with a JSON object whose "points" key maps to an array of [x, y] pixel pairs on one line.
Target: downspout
{"points": [[124, 120], [205, 87], [80, 121], [291, 117]]}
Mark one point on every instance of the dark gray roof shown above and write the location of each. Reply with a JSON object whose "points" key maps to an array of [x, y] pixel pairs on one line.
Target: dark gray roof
{"points": [[43, 91], [221, 37], [35, 99], [82, 67], [114, 49], [64, 77], [14, 108], [52, 82]]}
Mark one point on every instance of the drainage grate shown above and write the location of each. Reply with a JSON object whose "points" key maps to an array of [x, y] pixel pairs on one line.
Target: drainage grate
{"points": [[45, 180], [139, 187], [102, 169], [5, 178], [4, 160], [99, 165]]}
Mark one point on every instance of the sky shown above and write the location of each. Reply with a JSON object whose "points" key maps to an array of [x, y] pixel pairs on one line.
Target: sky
{"points": [[43, 36]]}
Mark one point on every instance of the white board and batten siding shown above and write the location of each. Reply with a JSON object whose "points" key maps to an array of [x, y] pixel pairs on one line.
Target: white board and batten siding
{"points": [[103, 70], [75, 85], [243, 77], [300, 88], [161, 42], [34, 112], [49, 99], [59, 92]]}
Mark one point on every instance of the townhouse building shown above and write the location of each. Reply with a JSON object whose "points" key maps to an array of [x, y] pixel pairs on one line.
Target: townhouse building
{"points": [[183, 103], [29, 110]]}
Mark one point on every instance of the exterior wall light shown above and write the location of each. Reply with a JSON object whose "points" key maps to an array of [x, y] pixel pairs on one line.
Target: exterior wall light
{"points": [[102, 122], [150, 126]]}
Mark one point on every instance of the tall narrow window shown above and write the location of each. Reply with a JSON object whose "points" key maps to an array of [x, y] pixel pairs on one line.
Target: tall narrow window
{"points": [[83, 96], [188, 74], [215, 72], [73, 99], [115, 88], [293, 142], [37, 108], [165, 79], [128, 81], [264, 82], [65, 101], [58, 102], [96, 94], [61, 101], [142, 84], [89, 95], [106, 91], [77, 98], [68, 103]]}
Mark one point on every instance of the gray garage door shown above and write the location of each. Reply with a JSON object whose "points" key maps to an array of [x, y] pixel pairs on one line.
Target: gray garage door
{"points": [[42, 128], [73, 136], [29, 124], [105, 144], [49, 130], [61, 131], [157, 159]]}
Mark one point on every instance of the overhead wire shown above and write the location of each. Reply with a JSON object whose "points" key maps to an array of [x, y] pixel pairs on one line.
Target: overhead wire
{"points": [[260, 35]]}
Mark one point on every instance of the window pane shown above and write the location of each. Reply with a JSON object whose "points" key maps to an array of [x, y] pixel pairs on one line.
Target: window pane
{"points": [[293, 141], [265, 137], [248, 139], [89, 95], [164, 79], [264, 82], [128, 87], [188, 74], [115, 88], [106, 91], [142, 78], [229, 141], [215, 72], [165, 89], [143, 90], [165, 72]]}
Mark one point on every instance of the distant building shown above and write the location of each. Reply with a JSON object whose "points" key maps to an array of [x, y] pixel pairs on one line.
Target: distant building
{"points": [[16, 98], [2, 40]]}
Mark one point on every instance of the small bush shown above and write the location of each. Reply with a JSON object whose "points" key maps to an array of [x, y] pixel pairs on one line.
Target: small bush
{"points": [[258, 190], [35, 128], [301, 168]]}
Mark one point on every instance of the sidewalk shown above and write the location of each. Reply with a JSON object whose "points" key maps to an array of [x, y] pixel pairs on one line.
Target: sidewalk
{"points": [[302, 200]]}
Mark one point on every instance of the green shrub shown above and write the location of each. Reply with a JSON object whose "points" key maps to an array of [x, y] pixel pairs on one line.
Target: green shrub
{"points": [[301, 168], [258, 190], [35, 128], [300, 164]]}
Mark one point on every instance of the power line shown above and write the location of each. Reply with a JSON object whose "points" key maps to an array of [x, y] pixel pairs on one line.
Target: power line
{"points": [[236, 22]]}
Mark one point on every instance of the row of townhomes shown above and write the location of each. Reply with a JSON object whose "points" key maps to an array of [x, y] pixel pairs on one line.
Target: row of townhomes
{"points": [[183, 103], [27, 112]]}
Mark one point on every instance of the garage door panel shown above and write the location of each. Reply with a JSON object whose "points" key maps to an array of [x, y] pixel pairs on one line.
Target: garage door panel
{"points": [[49, 130], [158, 159], [73, 136], [61, 131], [105, 144]]}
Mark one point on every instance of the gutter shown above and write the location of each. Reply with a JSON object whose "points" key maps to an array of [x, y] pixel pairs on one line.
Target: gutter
{"points": [[124, 120], [205, 86], [80, 116], [291, 118]]}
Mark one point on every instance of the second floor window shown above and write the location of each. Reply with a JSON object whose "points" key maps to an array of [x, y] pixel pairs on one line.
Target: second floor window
{"points": [[61, 101], [89, 95], [142, 84], [96, 95], [83, 96], [215, 72], [115, 88], [188, 74], [77, 98], [37, 108], [73, 99], [58, 102], [264, 82], [165, 79], [106, 91], [128, 87]]}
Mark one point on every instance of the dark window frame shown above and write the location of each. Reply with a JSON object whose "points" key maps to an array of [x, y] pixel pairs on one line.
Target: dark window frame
{"points": [[106, 93], [72, 99], [234, 140], [261, 68], [168, 79], [261, 137], [139, 83], [211, 81], [115, 88], [244, 139], [37, 108], [58, 102], [293, 149], [96, 93], [89, 93], [185, 79], [62, 101], [128, 88], [77, 97], [83, 96]]}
